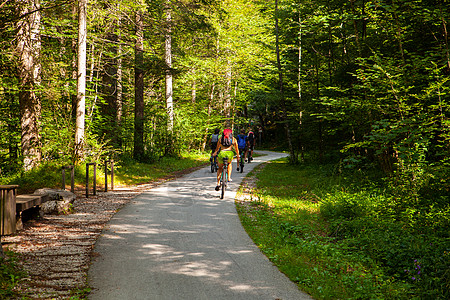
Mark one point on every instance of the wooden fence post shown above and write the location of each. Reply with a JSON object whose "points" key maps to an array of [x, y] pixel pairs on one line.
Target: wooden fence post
{"points": [[87, 179], [8, 209], [72, 178], [106, 174]]}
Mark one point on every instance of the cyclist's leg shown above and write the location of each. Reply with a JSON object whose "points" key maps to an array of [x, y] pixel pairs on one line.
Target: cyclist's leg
{"points": [[220, 168], [219, 173], [230, 165]]}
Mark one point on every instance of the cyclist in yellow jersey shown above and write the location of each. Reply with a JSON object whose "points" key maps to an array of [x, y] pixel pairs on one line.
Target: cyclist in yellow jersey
{"points": [[227, 143]]}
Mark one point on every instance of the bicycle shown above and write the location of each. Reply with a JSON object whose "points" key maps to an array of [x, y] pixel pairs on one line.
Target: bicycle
{"points": [[249, 156], [241, 160], [214, 166], [224, 177]]}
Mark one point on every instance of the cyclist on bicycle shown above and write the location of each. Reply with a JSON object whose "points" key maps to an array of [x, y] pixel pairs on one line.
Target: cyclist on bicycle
{"points": [[251, 140], [227, 143], [242, 143], [213, 143]]}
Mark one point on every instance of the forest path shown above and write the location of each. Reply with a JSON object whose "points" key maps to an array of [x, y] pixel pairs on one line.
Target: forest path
{"points": [[181, 241]]}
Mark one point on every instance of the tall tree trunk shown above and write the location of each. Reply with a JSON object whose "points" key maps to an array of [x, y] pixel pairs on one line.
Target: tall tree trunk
{"points": [[445, 34], [138, 152], [169, 78], [109, 86], [300, 122], [119, 100], [227, 98], [28, 52], [355, 28], [74, 50], [293, 157], [168, 59], [81, 80], [317, 79]]}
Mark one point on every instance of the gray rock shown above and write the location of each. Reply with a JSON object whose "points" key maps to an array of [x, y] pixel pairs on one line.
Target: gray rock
{"points": [[49, 207], [59, 201]]}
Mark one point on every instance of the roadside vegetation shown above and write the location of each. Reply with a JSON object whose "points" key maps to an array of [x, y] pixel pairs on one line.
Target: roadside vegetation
{"points": [[345, 234]]}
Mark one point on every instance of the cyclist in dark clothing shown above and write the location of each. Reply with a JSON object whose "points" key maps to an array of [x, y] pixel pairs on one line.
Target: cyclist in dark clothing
{"points": [[213, 143], [250, 144], [242, 143]]}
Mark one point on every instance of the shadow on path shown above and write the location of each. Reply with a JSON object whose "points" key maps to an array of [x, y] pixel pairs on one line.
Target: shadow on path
{"points": [[181, 241]]}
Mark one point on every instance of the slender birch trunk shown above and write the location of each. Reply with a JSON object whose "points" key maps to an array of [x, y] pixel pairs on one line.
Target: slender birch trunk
{"points": [[227, 103], [81, 80], [169, 77]]}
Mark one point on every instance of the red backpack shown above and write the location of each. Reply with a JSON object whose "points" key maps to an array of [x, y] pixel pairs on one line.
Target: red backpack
{"points": [[227, 138]]}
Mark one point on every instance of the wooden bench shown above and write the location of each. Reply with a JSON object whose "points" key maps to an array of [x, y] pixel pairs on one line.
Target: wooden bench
{"points": [[16, 209], [27, 206], [24, 202]]}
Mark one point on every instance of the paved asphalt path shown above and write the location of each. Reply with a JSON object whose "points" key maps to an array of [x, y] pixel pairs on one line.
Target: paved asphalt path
{"points": [[181, 241]]}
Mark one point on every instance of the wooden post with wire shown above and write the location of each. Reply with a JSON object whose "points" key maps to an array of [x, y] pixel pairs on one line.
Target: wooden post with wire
{"points": [[95, 179], [111, 162]]}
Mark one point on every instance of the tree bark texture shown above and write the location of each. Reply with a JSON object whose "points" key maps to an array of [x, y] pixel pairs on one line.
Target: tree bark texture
{"points": [[28, 53]]}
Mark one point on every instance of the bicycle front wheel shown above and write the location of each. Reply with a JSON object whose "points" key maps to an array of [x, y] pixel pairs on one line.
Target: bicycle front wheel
{"points": [[222, 193], [224, 181]]}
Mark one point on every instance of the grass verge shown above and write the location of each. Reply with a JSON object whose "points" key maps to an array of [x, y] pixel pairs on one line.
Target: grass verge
{"points": [[337, 239]]}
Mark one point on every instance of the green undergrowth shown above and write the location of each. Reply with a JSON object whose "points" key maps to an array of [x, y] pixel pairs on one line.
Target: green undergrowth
{"points": [[344, 237], [126, 172], [10, 274]]}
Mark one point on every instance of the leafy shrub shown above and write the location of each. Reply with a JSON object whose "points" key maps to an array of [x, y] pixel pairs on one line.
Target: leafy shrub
{"points": [[411, 246]]}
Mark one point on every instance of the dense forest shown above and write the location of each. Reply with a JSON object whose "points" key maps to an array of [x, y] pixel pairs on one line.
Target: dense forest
{"points": [[364, 80], [363, 84]]}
